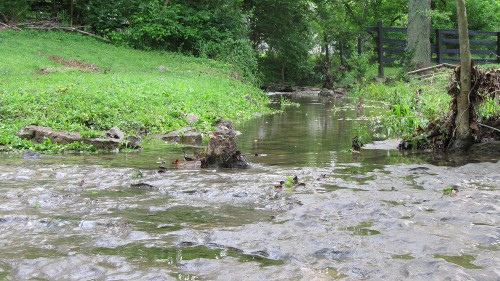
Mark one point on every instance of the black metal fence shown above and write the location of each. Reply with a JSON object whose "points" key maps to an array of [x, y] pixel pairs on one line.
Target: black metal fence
{"points": [[391, 45]]}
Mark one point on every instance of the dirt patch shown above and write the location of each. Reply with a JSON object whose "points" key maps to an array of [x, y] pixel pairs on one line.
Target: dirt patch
{"points": [[75, 63]]}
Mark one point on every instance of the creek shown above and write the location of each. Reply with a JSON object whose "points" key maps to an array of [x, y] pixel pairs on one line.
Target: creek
{"points": [[374, 215]]}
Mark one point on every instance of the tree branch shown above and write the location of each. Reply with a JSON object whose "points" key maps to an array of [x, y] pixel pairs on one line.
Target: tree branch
{"points": [[3, 17], [446, 65], [351, 12]]}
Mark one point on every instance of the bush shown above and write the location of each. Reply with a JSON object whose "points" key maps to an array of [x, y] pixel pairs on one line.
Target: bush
{"points": [[215, 31], [13, 10]]}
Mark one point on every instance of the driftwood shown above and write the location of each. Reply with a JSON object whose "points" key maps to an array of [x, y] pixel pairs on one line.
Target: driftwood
{"points": [[431, 75], [52, 25], [489, 127], [445, 65], [70, 29], [8, 26]]}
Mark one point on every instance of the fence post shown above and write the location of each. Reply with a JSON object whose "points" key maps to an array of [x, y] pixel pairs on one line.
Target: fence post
{"points": [[380, 49], [439, 46], [498, 47]]}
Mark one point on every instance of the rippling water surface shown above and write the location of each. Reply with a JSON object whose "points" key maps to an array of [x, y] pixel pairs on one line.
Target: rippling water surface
{"points": [[377, 215]]}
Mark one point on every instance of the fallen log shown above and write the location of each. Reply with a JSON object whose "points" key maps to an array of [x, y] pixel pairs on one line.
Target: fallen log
{"points": [[442, 65], [70, 29]]}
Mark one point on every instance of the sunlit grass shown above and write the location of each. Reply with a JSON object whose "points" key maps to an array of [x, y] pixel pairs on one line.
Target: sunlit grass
{"points": [[134, 90]]}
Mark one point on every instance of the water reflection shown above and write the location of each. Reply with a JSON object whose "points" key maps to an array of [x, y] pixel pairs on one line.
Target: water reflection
{"points": [[318, 134]]}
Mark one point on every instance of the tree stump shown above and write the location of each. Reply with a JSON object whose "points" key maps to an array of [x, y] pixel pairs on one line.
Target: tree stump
{"points": [[221, 150]]}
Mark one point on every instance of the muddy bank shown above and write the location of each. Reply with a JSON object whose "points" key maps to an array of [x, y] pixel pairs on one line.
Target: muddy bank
{"points": [[349, 222]]}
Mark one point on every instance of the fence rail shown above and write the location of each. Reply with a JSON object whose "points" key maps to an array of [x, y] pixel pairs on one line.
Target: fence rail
{"points": [[391, 45]]}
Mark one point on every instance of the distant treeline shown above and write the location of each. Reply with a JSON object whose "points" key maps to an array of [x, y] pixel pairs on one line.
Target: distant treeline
{"points": [[284, 41]]}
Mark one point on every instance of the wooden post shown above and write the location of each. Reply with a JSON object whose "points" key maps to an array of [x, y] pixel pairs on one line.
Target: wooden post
{"points": [[498, 47], [439, 46], [380, 49]]}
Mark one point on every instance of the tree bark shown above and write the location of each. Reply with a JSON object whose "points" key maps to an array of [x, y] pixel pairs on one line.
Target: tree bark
{"points": [[419, 31], [462, 120], [327, 81]]}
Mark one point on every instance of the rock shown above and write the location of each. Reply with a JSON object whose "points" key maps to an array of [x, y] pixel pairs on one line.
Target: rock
{"points": [[105, 144], [173, 136], [132, 142], [163, 68], [279, 88], [185, 135], [340, 91], [38, 134], [115, 133], [191, 118], [326, 93], [191, 137], [31, 155], [221, 150], [491, 148]]}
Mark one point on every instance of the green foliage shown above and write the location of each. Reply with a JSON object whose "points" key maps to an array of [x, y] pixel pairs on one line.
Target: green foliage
{"points": [[483, 15], [282, 35], [13, 10], [489, 107], [270, 41], [284, 103], [239, 54], [137, 174], [134, 90], [412, 104], [205, 29], [450, 191], [359, 66]]}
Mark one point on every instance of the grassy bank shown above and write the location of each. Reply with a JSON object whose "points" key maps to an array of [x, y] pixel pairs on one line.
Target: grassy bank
{"points": [[413, 102], [71, 82]]}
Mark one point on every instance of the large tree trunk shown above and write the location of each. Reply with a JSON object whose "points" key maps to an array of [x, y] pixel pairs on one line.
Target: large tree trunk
{"points": [[419, 31], [462, 121], [327, 81]]}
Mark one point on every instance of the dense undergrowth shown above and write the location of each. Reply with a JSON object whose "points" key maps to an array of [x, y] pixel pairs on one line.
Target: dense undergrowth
{"points": [[414, 102], [70, 82]]}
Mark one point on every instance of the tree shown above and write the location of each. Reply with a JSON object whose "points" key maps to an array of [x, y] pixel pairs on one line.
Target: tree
{"points": [[462, 119], [281, 33], [13, 10], [419, 30]]}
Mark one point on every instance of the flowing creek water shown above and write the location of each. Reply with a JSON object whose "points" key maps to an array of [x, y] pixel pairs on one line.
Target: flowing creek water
{"points": [[376, 215]]}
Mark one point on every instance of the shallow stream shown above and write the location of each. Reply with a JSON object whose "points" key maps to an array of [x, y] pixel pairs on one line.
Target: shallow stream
{"points": [[375, 215]]}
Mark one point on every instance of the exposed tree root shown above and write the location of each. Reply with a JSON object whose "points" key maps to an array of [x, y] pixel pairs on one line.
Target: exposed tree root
{"points": [[439, 135]]}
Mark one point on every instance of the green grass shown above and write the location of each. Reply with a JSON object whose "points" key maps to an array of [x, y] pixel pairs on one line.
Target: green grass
{"points": [[412, 103], [134, 90]]}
